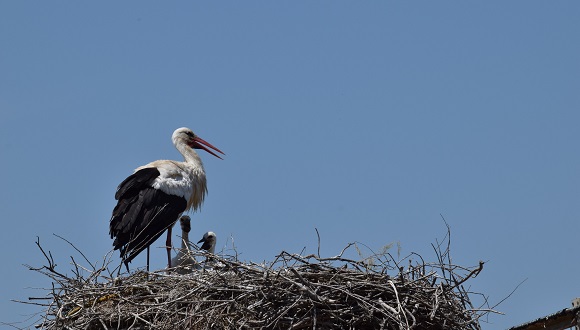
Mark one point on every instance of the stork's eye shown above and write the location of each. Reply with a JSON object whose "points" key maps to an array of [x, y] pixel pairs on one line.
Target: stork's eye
{"points": [[190, 134]]}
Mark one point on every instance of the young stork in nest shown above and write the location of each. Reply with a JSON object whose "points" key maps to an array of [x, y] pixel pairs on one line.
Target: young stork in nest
{"points": [[209, 240], [184, 263]]}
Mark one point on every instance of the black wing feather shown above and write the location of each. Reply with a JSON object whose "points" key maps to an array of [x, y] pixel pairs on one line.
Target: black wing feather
{"points": [[142, 213], [136, 181]]}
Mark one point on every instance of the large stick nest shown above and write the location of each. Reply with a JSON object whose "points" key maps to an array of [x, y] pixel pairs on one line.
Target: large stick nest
{"points": [[291, 292]]}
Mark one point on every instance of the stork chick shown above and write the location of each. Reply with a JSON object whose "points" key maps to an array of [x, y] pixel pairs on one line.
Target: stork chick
{"points": [[183, 260], [209, 240]]}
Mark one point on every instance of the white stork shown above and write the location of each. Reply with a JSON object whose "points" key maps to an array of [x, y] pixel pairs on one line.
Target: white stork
{"points": [[183, 260], [209, 240], [151, 199]]}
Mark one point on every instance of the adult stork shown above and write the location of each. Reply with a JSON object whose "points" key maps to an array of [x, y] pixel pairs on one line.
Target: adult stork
{"points": [[151, 199]]}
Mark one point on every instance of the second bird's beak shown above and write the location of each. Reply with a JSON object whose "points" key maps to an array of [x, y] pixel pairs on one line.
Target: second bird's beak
{"points": [[205, 245]]}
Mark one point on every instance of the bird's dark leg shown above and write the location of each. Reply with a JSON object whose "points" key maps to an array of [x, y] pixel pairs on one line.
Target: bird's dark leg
{"points": [[168, 246], [147, 259]]}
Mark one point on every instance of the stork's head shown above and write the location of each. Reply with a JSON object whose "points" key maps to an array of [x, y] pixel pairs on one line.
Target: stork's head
{"points": [[209, 239], [185, 135], [185, 223]]}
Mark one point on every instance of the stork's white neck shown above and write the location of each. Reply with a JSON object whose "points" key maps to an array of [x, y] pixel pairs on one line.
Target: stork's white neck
{"points": [[185, 179], [184, 240], [189, 154]]}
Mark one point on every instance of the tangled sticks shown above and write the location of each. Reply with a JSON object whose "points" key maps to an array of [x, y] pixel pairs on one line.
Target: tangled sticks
{"points": [[291, 292]]}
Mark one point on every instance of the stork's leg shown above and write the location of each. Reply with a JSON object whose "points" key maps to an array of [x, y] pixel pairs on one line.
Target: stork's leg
{"points": [[168, 246], [147, 259]]}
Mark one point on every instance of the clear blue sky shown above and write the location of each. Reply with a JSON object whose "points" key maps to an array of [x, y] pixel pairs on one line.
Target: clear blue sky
{"points": [[367, 120]]}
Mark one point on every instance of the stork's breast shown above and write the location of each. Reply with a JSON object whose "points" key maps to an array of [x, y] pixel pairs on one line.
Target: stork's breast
{"points": [[179, 179], [177, 186]]}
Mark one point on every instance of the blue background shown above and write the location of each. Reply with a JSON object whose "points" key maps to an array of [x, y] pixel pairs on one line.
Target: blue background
{"points": [[366, 120]]}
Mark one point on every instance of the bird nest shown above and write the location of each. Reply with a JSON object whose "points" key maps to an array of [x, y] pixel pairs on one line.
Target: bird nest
{"points": [[293, 291]]}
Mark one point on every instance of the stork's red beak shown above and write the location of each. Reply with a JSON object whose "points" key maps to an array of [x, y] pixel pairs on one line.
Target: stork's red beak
{"points": [[199, 143]]}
